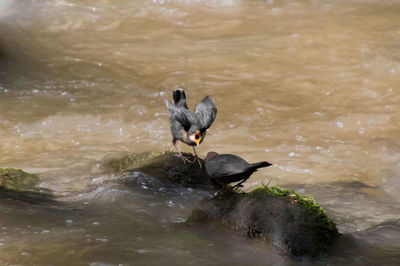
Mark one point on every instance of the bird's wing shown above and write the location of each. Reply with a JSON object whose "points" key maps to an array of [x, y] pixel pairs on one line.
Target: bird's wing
{"points": [[206, 111], [179, 114], [227, 170], [224, 166]]}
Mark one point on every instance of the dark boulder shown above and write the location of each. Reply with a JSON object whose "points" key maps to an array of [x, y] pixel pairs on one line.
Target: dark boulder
{"points": [[293, 222], [164, 166]]}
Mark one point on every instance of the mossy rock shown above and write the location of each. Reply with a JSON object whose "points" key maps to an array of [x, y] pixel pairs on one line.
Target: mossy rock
{"points": [[165, 166], [293, 222], [19, 185], [132, 160], [17, 180]]}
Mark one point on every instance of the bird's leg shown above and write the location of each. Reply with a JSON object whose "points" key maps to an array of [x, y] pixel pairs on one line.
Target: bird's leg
{"points": [[238, 185], [179, 155], [221, 190], [196, 157]]}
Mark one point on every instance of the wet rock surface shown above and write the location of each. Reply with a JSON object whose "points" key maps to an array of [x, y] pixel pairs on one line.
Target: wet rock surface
{"points": [[19, 185], [166, 167], [293, 222], [17, 180]]}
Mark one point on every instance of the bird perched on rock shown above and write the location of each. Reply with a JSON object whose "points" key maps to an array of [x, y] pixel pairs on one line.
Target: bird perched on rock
{"points": [[187, 126], [229, 168]]}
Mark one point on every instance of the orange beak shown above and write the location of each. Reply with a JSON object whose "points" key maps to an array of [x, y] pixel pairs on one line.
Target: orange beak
{"points": [[197, 138]]}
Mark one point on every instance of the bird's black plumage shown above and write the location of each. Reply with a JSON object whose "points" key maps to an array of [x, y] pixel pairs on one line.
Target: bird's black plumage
{"points": [[229, 168], [187, 126]]}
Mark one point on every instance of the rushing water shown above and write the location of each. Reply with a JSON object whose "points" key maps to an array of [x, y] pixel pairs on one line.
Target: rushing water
{"points": [[310, 86]]}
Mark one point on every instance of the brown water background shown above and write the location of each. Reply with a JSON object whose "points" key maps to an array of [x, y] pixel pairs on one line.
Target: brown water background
{"points": [[310, 86]]}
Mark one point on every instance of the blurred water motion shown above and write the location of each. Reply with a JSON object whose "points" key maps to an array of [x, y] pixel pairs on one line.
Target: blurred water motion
{"points": [[310, 86]]}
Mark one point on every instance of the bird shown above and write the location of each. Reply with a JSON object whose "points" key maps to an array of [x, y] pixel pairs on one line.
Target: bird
{"points": [[229, 168], [187, 126]]}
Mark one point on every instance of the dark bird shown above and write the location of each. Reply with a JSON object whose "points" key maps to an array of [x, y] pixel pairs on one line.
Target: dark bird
{"points": [[187, 126], [229, 168]]}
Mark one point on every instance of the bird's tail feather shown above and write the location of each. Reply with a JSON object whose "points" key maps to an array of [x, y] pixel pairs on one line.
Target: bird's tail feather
{"points": [[259, 165], [179, 97]]}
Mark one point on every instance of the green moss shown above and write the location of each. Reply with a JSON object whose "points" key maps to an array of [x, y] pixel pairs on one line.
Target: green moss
{"points": [[305, 201], [190, 238], [22, 186], [17, 180], [132, 160]]}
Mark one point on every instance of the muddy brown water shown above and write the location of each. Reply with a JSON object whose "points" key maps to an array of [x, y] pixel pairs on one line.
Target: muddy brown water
{"points": [[310, 86]]}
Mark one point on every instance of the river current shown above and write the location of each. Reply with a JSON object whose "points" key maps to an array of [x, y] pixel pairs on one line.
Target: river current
{"points": [[309, 86]]}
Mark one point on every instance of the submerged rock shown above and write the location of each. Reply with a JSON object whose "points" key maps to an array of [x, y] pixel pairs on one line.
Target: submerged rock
{"points": [[164, 166], [293, 222], [20, 185]]}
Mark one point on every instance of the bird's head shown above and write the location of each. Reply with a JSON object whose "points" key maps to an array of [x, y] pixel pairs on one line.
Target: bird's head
{"points": [[196, 137], [211, 155]]}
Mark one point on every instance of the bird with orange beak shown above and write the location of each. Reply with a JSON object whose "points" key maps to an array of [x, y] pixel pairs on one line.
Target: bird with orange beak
{"points": [[187, 126]]}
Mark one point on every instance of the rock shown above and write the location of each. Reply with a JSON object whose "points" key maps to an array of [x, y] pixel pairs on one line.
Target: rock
{"points": [[20, 185], [17, 180], [131, 160], [293, 222], [164, 166]]}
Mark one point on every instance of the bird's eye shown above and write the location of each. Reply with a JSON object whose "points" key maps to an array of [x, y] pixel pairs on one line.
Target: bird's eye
{"points": [[197, 136]]}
